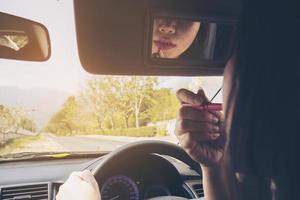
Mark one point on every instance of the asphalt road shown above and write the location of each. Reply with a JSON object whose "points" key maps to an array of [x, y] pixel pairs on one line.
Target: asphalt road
{"points": [[85, 143]]}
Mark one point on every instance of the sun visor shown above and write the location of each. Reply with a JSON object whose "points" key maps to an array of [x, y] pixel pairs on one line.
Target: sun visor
{"points": [[156, 37]]}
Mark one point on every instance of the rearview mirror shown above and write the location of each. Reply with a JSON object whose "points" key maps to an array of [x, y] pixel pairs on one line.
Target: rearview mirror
{"points": [[23, 39]]}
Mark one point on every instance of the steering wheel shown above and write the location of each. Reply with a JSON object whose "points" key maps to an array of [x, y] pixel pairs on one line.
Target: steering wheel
{"points": [[143, 148]]}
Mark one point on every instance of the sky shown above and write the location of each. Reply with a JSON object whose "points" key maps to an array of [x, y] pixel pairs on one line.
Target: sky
{"points": [[63, 70]]}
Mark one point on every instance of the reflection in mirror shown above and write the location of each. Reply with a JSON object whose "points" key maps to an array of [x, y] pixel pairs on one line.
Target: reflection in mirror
{"points": [[175, 38], [15, 40]]}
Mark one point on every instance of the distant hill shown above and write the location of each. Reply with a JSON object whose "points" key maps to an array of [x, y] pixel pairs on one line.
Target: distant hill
{"points": [[40, 102]]}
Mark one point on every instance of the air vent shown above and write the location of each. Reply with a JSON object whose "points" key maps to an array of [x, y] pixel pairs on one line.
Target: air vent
{"points": [[198, 188], [32, 192]]}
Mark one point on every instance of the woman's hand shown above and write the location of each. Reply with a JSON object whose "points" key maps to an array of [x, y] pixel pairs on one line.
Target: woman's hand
{"points": [[79, 186], [200, 133]]}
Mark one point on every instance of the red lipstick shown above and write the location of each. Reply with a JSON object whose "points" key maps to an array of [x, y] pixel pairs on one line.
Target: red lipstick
{"points": [[207, 107]]}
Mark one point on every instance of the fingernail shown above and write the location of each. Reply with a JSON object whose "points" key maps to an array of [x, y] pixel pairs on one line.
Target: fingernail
{"points": [[215, 135], [200, 90], [215, 120], [216, 128]]}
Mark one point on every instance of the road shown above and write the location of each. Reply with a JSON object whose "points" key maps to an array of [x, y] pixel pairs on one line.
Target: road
{"points": [[84, 143], [51, 143]]}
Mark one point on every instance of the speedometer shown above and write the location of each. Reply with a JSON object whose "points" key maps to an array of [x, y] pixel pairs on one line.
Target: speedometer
{"points": [[119, 188]]}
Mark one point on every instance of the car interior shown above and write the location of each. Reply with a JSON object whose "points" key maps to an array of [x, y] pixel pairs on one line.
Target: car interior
{"points": [[117, 38]]}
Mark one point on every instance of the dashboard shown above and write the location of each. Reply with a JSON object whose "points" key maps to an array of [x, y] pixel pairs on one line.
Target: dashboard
{"points": [[142, 177]]}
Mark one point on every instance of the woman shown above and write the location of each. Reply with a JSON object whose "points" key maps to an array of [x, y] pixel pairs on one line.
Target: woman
{"points": [[255, 156]]}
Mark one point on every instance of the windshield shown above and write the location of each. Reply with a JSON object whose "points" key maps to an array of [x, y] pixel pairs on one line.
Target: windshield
{"points": [[56, 106]]}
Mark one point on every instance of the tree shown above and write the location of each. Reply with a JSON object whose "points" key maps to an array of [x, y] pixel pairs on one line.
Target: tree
{"points": [[113, 102], [72, 118], [140, 89], [100, 97], [6, 121], [122, 100], [13, 119], [110, 96], [17, 116], [27, 124], [66, 119], [164, 105]]}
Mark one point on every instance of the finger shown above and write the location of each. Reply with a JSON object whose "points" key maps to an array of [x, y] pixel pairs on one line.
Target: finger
{"points": [[62, 187], [186, 141], [191, 147], [183, 126], [202, 95], [74, 178], [87, 176], [74, 174], [201, 137], [61, 192], [204, 137], [58, 196], [190, 113], [187, 97], [86, 173], [217, 114]]}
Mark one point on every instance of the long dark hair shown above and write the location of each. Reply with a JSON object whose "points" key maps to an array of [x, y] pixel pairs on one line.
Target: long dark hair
{"points": [[264, 130], [195, 51], [222, 43]]}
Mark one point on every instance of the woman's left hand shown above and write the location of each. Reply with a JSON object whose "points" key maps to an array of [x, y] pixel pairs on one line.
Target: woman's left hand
{"points": [[79, 186]]}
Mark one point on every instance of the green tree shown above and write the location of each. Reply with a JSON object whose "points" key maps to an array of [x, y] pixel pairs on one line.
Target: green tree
{"points": [[13, 119], [100, 97], [6, 121], [71, 119], [64, 120], [18, 115], [111, 97], [164, 105], [113, 102], [28, 124], [140, 89]]}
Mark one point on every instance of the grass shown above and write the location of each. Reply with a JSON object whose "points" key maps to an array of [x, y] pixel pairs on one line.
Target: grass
{"points": [[146, 131], [16, 143]]}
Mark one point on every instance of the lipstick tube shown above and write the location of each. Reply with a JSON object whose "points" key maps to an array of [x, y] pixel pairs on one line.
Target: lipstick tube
{"points": [[207, 107]]}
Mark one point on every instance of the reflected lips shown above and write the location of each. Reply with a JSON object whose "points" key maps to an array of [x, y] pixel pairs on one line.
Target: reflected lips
{"points": [[164, 45]]}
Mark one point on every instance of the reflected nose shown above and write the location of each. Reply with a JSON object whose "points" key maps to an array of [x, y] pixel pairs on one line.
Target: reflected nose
{"points": [[167, 29]]}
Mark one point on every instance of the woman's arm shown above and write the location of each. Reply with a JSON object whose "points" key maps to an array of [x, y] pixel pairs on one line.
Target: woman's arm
{"points": [[201, 134], [216, 181]]}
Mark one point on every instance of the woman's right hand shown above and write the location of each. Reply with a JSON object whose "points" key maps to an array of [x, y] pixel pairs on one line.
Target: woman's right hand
{"points": [[200, 133], [79, 186]]}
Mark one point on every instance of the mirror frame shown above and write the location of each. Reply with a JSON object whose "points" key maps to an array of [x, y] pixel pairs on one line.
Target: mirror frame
{"points": [[187, 64]]}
